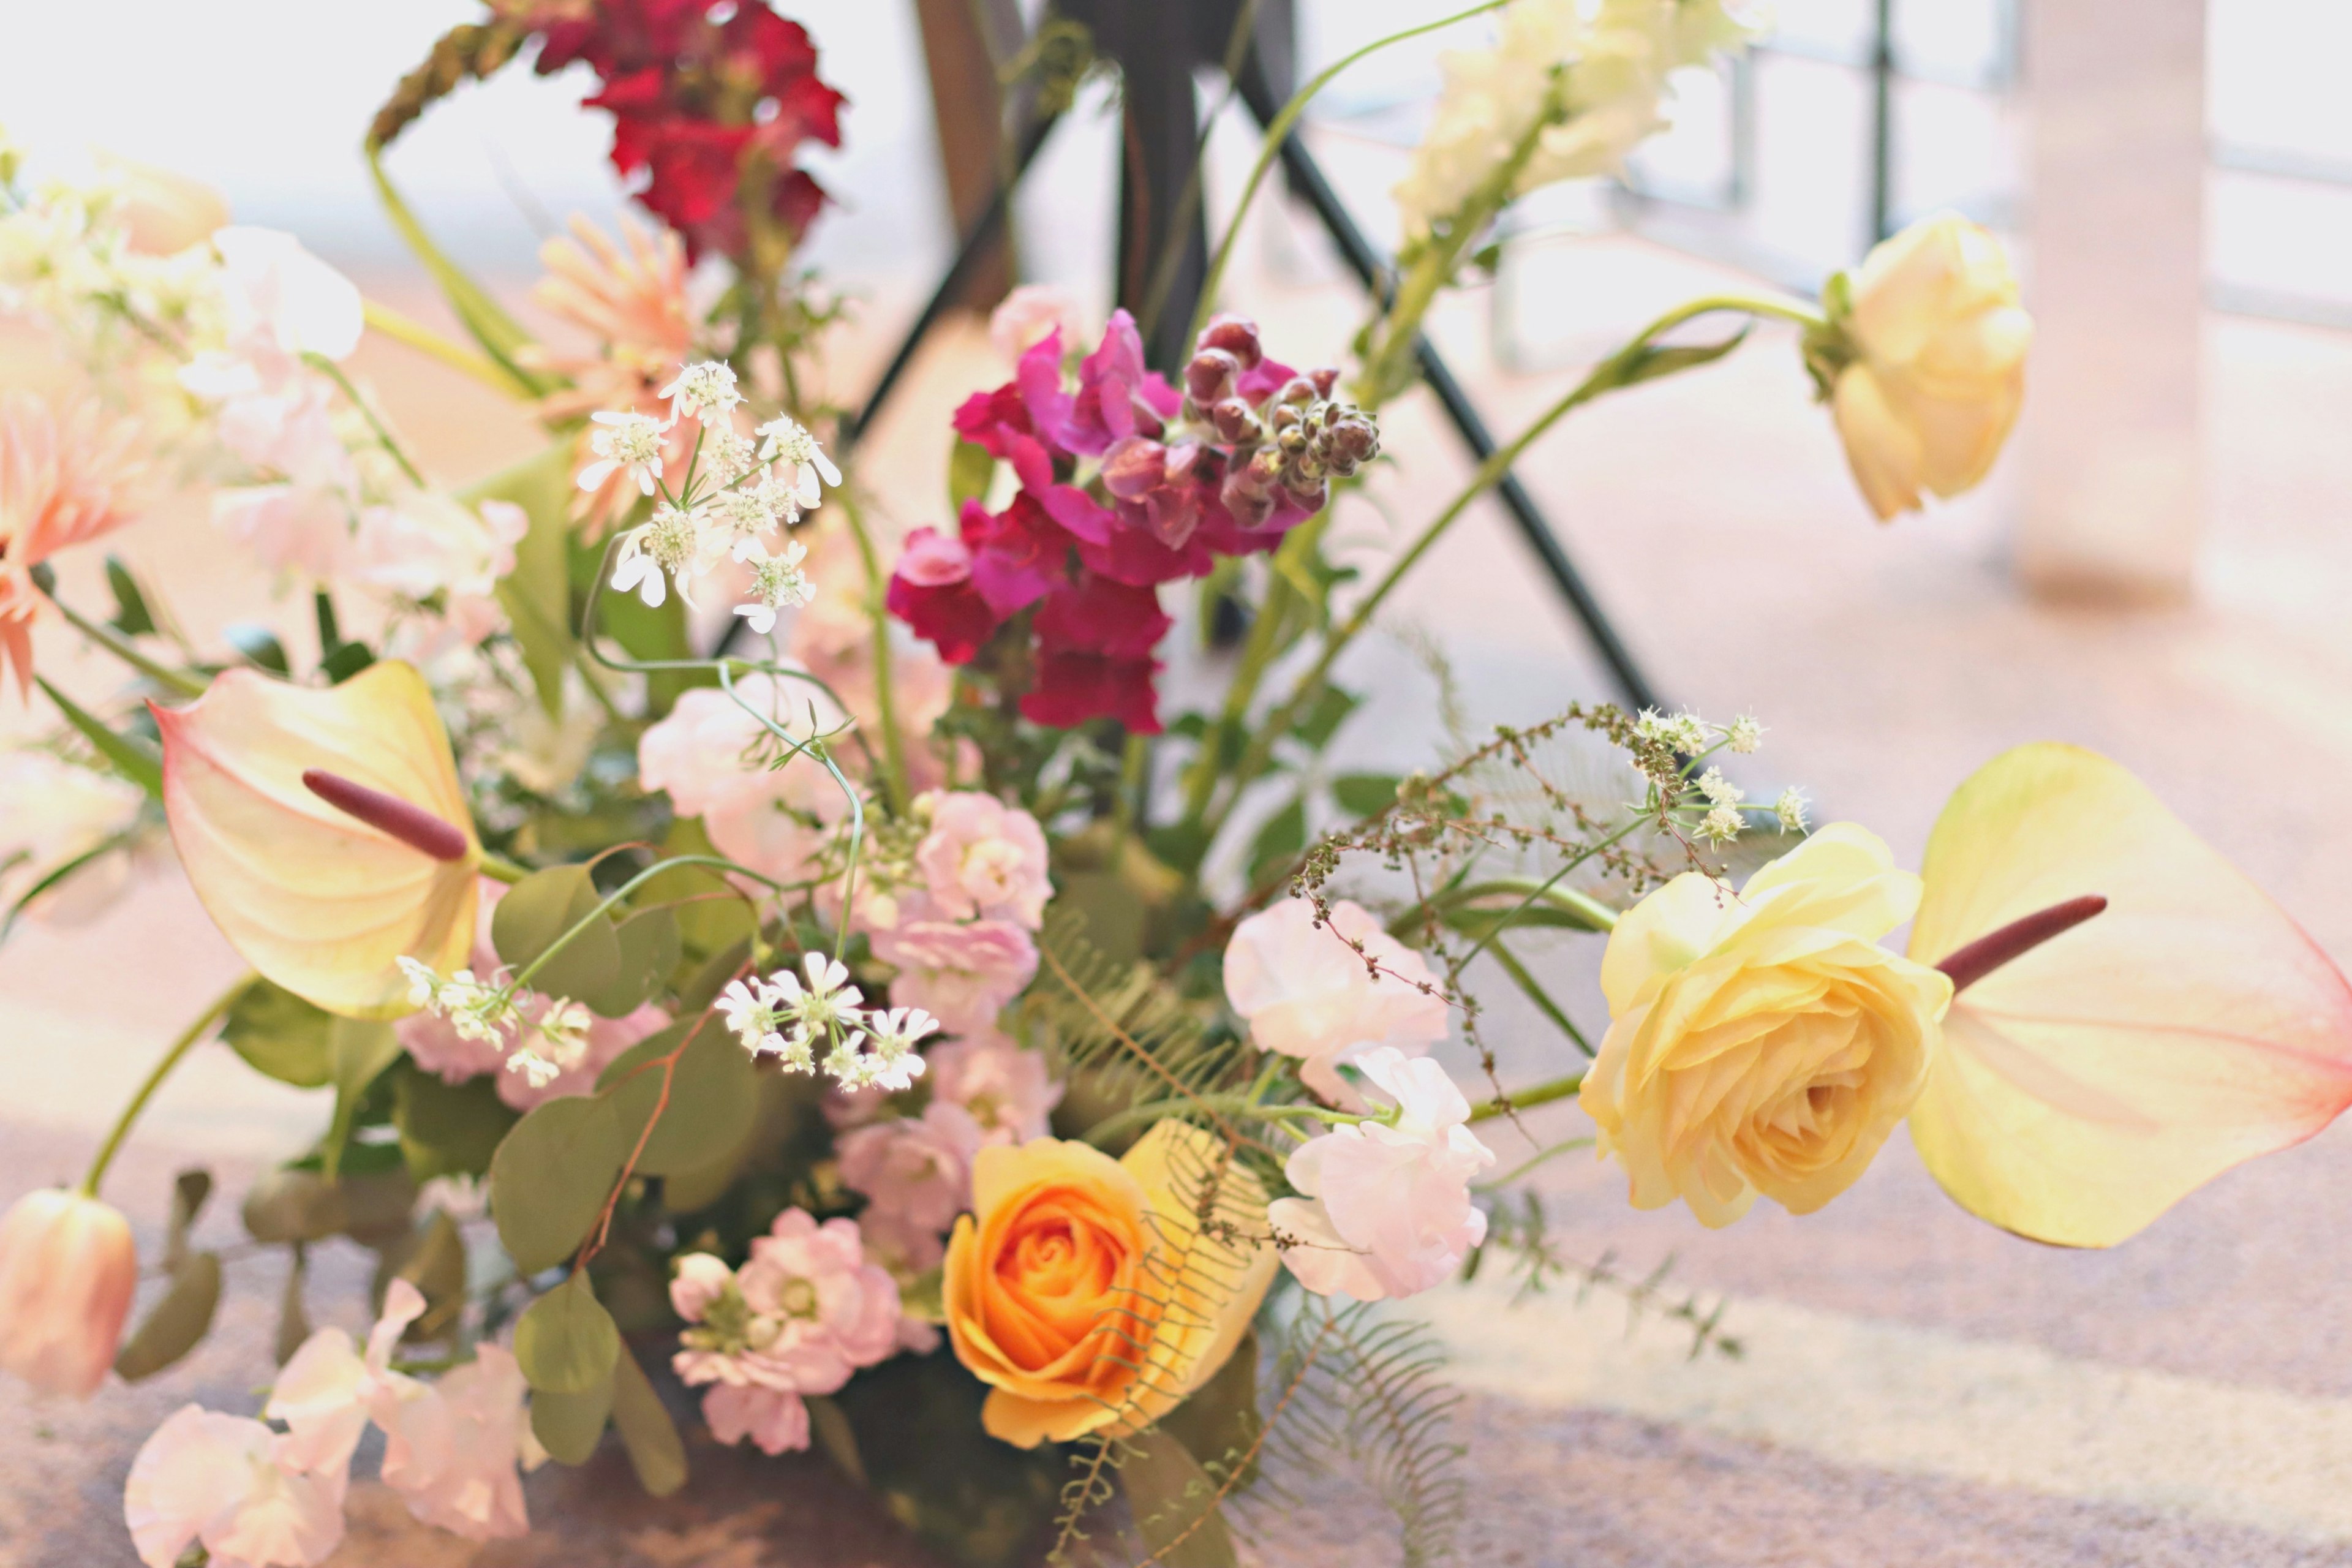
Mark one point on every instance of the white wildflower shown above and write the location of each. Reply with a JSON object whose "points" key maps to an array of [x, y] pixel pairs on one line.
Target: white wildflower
{"points": [[1719, 791], [742, 516], [753, 1016], [728, 455], [630, 441], [557, 1043], [889, 1060], [705, 392], [670, 542], [825, 1008], [1685, 733], [1791, 809], [787, 441], [1722, 825], [1745, 735], [778, 582]]}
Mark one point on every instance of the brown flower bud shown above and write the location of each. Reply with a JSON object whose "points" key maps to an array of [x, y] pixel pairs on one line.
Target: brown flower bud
{"points": [[1235, 335]]}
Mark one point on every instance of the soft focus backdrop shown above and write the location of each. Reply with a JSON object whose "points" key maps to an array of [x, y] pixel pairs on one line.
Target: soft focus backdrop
{"points": [[1917, 1389]]}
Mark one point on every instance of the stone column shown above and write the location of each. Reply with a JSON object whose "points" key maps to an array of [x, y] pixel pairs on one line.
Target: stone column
{"points": [[2113, 438]]}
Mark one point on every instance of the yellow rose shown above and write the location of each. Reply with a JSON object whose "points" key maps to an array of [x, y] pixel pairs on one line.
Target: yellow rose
{"points": [[1763, 1042], [1083, 1290], [1924, 362]]}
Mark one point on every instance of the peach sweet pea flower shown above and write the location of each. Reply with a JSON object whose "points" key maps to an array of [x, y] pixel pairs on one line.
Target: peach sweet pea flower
{"points": [[1063, 1288], [65, 477], [325, 831], [68, 1269], [2088, 1085], [1932, 344], [1763, 1042], [1306, 994], [220, 1481]]}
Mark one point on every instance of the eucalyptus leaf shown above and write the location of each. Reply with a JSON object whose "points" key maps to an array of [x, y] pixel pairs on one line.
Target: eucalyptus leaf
{"points": [[177, 1322], [569, 1424], [1321, 722], [551, 1177], [132, 617], [565, 1341], [713, 1097], [358, 1052], [379, 1205], [834, 1437], [655, 1451], [1365, 794], [189, 1191], [293, 1206], [281, 1035], [257, 646], [448, 1128], [536, 913], [437, 1266], [1279, 841], [649, 952]]}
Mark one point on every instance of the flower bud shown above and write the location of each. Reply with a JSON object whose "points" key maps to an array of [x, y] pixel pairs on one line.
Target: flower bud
{"points": [[1210, 377], [1247, 496], [1235, 335], [1300, 391], [68, 1269], [1134, 468], [1236, 422], [1326, 379]]}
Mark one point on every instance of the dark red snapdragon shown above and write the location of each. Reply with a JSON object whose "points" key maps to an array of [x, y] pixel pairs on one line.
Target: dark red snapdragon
{"points": [[709, 103], [1224, 467]]}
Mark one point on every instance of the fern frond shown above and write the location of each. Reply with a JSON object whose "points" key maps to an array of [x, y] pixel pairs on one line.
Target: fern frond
{"points": [[1129, 1029]]}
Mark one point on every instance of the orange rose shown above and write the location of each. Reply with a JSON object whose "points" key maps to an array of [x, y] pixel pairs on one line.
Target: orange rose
{"points": [[1083, 1290]]}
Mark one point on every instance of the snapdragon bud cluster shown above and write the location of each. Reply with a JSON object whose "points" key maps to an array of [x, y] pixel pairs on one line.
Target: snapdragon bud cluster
{"points": [[1296, 440]]}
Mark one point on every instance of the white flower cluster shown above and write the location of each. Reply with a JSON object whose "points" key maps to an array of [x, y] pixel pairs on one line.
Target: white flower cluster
{"points": [[1587, 78], [867, 1048], [735, 493], [541, 1042], [1686, 735]]}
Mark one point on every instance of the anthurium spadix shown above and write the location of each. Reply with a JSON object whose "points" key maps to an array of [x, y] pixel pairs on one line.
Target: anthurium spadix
{"points": [[2090, 1081], [325, 830]]}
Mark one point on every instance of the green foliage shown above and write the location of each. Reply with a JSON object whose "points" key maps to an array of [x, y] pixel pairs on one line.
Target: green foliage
{"points": [[132, 617], [136, 760], [1280, 842], [713, 1095], [971, 467], [650, 1436], [292, 1205], [190, 1188], [1175, 1504], [650, 948], [358, 1052], [176, 1324], [257, 646], [1323, 718], [537, 594], [1364, 794], [536, 913], [436, 1264], [448, 1128], [712, 916], [568, 1425], [499, 335], [565, 1341], [981, 1503], [281, 1035], [835, 1439], [1119, 1027], [551, 1177]]}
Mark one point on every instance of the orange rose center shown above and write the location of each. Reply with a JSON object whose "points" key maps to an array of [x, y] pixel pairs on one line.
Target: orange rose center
{"points": [[1060, 1269]]}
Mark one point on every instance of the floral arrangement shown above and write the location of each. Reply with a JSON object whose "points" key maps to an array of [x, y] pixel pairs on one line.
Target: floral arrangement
{"points": [[909, 1023]]}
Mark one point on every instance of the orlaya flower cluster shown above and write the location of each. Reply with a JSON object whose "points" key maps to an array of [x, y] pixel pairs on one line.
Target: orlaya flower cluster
{"points": [[1329, 992], [1387, 1208], [803, 1313], [255, 1497], [737, 492], [1126, 482], [710, 106], [864, 1047]]}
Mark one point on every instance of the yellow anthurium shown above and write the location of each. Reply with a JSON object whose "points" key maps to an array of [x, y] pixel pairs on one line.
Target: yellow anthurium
{"points": [[2089, 1083], [325, 831]]}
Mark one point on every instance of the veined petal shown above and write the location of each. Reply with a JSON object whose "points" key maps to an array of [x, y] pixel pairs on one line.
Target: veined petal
{"points": [[2091, 1084], [316, 900]]}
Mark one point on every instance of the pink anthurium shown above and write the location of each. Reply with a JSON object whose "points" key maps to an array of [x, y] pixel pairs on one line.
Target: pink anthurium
{"points": [[325, 831], [2100, 1063]]}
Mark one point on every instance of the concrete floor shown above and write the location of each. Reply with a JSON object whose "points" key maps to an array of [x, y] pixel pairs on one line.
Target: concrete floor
{"points": [[2192, 1390]]}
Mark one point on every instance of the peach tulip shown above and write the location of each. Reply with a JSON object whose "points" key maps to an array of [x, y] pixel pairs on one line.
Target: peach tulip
{"points": [[68, 1269], [325, 831], [2086, 1085]]}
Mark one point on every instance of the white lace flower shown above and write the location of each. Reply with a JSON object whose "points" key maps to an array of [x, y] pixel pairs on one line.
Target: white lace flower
{"points": [[741, 516], [1722, 825], [670, 542], [787, 441], [1745, 734], [778, 582], [1791, 809], [728, 455], [752, 1014], [630, 441], [704, 392], [890, 1059], [1719, 791], [557, 1042]]}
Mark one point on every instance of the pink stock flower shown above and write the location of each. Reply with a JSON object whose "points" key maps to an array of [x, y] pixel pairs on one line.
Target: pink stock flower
{"points": [[1028, 315], [1306, 994], [1387, 1210], [436, 1047], [68, 1270], [803, 1314], [712, 758], [217, 1481], [963, 974], [65, 477], [915, 1170], [1007, 1090], [984, 858]]}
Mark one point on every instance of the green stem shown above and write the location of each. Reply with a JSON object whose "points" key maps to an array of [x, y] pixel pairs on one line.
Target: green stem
{"points": [[194, 1035], [1258, 655], [334, 373], [1521, 1169], [499, 870], [1535, 993], [522, 980], [113, 642], [1527, 1099], [1279, 131], [894, 749], [426, 341]]}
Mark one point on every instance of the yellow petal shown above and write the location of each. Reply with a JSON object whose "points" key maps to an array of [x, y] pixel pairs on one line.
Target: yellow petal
{"points": [[1661, 934], [2088, 1086], [317, 901]]}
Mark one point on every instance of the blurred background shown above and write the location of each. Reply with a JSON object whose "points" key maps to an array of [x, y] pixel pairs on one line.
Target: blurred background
{"points": [[2157, 569]]}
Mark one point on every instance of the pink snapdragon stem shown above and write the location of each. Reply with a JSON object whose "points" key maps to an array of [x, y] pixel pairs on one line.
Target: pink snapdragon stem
{"points": [[2020, 937], [411, 825]]}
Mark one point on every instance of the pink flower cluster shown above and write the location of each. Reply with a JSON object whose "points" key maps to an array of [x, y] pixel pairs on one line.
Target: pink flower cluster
{"points": [[961, 940], [258, 1497], [434, 1041], [803, 1313], [914, 1171], [1179, 478], [711, 757], [1306, 993]]}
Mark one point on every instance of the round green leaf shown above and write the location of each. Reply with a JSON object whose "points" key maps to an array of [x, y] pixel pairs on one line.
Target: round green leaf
{"points": [[293, 1206], [565, 1341], [279, 1036], [649, 949], [551, 1177], [178, 1322], [714, 1094], [448, 1128], [651, 1437], [536, 912], [568, 1425]]}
